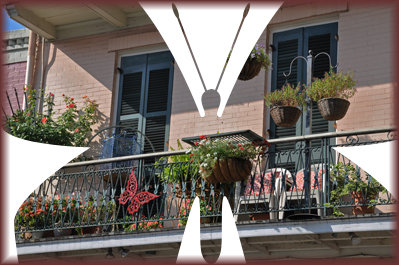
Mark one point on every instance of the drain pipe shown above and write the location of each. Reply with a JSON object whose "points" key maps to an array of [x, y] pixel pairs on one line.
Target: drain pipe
{"points": [[29, 75]]}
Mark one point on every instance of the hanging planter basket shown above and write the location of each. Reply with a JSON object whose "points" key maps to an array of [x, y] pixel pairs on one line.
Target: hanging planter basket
{"points": [[333, 109], [230, 170], [285, 116], [250, 70]]}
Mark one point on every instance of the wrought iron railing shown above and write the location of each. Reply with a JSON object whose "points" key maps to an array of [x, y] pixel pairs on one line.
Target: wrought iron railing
{"points": [[86, 195]]}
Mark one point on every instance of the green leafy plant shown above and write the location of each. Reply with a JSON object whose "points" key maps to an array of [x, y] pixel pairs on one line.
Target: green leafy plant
{"points": [[176, 168], [208, 151], [347, 181], [286, 96], [71, 128], [333, 85]]}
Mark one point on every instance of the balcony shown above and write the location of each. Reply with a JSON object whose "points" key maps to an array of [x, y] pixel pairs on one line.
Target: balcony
{"points": [[299, 197]]}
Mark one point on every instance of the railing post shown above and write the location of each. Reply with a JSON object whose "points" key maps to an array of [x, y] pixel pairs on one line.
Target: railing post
{"points": [[308, 131]]}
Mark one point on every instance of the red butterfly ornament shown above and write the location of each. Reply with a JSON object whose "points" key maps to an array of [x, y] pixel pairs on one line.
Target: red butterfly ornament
{"points": [[137, 199]]}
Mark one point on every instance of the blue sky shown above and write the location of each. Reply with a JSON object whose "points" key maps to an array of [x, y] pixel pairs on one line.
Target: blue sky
{"points": [[10, 24]]}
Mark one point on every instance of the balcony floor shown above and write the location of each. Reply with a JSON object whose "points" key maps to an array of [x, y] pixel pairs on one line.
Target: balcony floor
{"points": [[326, 238]]}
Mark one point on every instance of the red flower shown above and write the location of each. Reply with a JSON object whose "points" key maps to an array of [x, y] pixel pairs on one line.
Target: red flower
{"points": [[76, 130], [202, 137], [72, 98], [63, 95], [44, 120], [16, 120], [196, 143], [191, 155], [71, 105], [191, 160], [51, 94], [84, 97], [28, 113], [241, 148]]}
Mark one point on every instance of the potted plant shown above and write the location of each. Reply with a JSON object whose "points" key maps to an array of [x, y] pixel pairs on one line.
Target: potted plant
{"points": [[222, 161], [206, 209], [178, 171], [284, 104], [31, 215], [332, 93], [71, 127], [256, 60], [347, 181], [64, 214]]}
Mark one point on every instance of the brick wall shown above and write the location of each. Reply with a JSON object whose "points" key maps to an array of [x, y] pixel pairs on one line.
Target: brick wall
{"points": [[15, 47], [86, 66], [14, 77], [365, 47]]}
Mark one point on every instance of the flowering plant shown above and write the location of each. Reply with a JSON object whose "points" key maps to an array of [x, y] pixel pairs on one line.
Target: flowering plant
{"points": [[71, 128], [64, 210], [32, 214], [205, 209], [152, 223], [286, 96], [208, 151], [333, 85], [259, 54]]}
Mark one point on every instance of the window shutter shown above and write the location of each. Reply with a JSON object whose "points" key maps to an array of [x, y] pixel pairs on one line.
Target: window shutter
{"points": [[287, 47], [157, 114]]}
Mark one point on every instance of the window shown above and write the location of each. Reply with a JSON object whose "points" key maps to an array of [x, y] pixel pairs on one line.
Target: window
{"points": [[297, 42], [145, 97], [288, 45]]}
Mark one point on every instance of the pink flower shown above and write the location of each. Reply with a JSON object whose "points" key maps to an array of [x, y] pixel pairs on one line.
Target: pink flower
{"points": [[51, 94], [76, 130]]}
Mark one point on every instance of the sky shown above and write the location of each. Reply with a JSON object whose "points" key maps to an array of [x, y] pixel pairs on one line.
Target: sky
{"points": [[10, 24]]}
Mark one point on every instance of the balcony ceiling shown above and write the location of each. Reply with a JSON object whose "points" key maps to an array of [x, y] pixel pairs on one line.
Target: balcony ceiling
{"points": [[55, 21]]}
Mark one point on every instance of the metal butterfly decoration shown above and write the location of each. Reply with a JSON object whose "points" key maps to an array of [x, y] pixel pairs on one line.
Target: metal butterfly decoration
{"points": [[137, 199]]}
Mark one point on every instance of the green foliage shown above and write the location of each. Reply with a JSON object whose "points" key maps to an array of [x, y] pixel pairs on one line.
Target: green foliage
{"points": [[286, 96], [208, 151], [176, 168], [333, 85], [71, 128], [259, 54], [347, 181]]}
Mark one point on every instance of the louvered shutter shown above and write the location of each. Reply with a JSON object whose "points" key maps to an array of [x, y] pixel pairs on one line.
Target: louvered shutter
{"points": [[287, 45], [132, 82], [321, 39], [145, 97]]}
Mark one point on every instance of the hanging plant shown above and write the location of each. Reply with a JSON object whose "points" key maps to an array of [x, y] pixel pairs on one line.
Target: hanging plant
{"points": [[257, 60], [332, 93], [284, 105]]}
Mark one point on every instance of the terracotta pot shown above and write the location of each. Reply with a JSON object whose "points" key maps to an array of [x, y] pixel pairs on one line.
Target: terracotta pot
{"points": [[285, 116], [361, 210], [250, 69], [333, 109]]}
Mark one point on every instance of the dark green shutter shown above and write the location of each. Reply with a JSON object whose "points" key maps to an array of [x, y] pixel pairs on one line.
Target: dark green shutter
{"points": [[146, 90]]}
